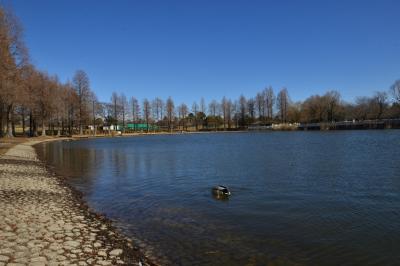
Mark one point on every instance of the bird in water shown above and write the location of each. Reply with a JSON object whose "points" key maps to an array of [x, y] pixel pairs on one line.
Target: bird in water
{"points": [[221, 191]]}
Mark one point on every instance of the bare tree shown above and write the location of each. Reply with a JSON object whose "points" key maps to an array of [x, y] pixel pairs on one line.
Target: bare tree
{"points": [[43, 99], [213, 109], [260, 105], [82, 88], [203, 107], [13, 56], [363, 108], [230, 109], [135, 108], [332, 102], [94, 101], [283, 104], [71, 98], [123, 102], [195, 110], [115, 102], [269, 101], [380, 103], [170, 107], [294, 112], [146, 112], [251, 108], [242, 110], [26, 99], [161, 105], [236, 113], [395, 91], [158, 105], [313, 109], [225, 111], [183, 112]]}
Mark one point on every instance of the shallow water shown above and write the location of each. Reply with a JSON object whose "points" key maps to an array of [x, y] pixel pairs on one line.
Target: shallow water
{"points": [[298, 198]]}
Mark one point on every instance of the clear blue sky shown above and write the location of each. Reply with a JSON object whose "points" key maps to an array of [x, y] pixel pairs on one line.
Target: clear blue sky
{"points": [[188, 49]]}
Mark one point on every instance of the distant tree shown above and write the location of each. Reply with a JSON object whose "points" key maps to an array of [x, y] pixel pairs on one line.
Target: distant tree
{"points": [[214, 121], [362, 108], [242, 110], [183, 112], [395, 91], [203, 107], [146, 113], [158, 106], [102, 113], [213, 109], [195, 110], [283, 104], [251, 105], [269, 101], [313, 109], [201, 118], [170, 107], [123, 102], [82, 89], [260, 105], [70, 99], [115, 102], [225, 111], [95, 107], [53, 105], [43, 92], [232, 109], [294, 112], [379, 101], [332, 102], [135, 109]]}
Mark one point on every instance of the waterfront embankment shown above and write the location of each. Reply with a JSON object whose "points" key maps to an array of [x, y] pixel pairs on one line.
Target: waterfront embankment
{"points": [[44, 222]]}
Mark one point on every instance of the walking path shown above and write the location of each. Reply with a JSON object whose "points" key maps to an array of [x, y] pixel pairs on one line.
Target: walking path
{"points": [[43, 221]]}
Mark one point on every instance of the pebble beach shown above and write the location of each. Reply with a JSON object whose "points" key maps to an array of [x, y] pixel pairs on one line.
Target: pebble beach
{"points": [[44, 222]]}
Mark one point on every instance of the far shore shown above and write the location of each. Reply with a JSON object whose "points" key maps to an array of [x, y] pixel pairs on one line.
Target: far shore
{"points": [[7, 143]]}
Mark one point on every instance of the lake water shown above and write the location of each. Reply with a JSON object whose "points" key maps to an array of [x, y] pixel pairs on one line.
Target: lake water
{"points": [[298, 198]]}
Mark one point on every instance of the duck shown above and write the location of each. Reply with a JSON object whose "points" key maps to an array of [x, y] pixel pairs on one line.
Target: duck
{"points": [[221, 191]]}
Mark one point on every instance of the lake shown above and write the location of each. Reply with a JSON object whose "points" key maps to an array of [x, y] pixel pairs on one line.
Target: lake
{"points": [[298, 198]]}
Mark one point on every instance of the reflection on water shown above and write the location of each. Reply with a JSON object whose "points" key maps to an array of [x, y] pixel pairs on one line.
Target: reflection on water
{"points": [[298, 198]]}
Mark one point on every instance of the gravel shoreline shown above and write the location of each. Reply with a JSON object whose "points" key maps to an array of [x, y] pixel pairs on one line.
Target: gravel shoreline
{"points": [[45, 222]]}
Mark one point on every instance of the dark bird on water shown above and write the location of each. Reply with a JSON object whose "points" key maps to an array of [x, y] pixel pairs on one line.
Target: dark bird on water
{"points": [[221, 191]]}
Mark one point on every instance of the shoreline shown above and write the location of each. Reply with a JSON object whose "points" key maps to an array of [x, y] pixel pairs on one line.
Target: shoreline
{"points": [[46, 222], [7, 143], [78, 137]]}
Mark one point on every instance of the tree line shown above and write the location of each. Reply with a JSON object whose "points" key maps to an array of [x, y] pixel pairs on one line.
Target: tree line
{"points": [[37, 103]]}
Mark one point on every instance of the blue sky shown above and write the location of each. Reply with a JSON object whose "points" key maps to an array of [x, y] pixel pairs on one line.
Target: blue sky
{"points": [[189, 49]]}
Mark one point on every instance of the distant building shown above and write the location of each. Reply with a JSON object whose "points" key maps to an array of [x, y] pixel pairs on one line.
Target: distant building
{"points": [[112, 127], [131, 126], [140, 126]]}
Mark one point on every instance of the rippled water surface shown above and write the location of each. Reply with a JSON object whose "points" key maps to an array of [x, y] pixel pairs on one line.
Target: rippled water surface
{"points": [[298, 198]]}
